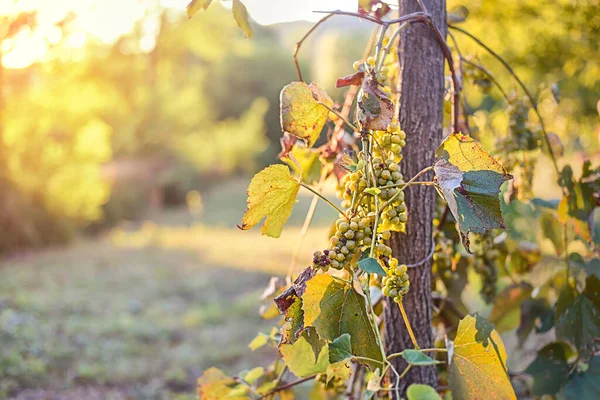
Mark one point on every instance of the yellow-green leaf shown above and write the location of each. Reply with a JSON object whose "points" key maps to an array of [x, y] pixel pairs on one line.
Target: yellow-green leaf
{"points": [[240, 14], [215, 385], [335, 308], [477, 365], [307, 356], [272, 194], [301, 114], [417, 391], [469, 179], [195, 5], [306, 161]]}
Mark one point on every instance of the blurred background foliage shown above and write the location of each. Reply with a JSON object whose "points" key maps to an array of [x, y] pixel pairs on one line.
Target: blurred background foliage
{"points": [[95, 135]]}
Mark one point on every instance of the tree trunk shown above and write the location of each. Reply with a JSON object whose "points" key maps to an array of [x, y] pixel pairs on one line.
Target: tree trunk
{"points": [[421, 87]]}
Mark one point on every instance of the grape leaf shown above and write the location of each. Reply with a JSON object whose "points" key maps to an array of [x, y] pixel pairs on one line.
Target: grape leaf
{"points": [[418, 391], [535, 313], [469, 180], [477, 367], [307, 356], [371, 266], [289, 304], [253, 375], [215, 385], [577, 315], [195, 5], [584, 385], [272, 193], [550, 369], [335, 308], [581, 199], [308, 163], [506, 313], [240, 14], [301, 114], [417, 357], [340, 349], [375, 110]]}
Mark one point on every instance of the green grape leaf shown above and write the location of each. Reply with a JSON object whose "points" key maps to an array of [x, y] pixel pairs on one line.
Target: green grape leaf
{"points": [[240, 14], [550, 369], [577, 315], [301, 114], [307, 356], [340, 349], [289, 304], [418, 391], [371, 266], [375, 110], [477, 365], [195, 5], [417, 357], [535, 313], [308, 163], [469, 179], [215, 385], [506, 313], [335, 308], [578, 204], [272, 194], [584, 385], [373, 191]]}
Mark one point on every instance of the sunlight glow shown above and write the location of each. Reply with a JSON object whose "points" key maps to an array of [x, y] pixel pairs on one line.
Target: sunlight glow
{"points": [[107, 20]]}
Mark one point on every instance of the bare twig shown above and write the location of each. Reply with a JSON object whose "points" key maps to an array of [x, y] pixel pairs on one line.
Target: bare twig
{"points": [[287, 386], [299, 44]]}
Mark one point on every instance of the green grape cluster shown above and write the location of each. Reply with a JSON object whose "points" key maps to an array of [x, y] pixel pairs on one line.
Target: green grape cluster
{"points": [[396, 283], [443, 255], [350, 236], [521, 134], [484, 263], [351, 187]]}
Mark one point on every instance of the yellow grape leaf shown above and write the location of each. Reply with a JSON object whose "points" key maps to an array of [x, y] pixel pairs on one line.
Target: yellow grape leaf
{"points": [[195, 5], [215, 385], [240, 14], [301, 114], [272, 194], [477, 363], [469, 179]]}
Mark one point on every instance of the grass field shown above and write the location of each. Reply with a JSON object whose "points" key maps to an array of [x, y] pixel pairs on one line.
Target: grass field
{"points": [[141, 311]]}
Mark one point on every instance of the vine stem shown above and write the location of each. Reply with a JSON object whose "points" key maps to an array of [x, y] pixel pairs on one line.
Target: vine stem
{"points": [[405, 371], [388, 48], [287, 386], [325, 199], [307, 221], [299, 44], [340, 116], [423, 18], [408, 327], [411, 181]]}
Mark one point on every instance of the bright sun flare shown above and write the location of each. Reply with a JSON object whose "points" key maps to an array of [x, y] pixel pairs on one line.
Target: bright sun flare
{"points": [[109, 19]]}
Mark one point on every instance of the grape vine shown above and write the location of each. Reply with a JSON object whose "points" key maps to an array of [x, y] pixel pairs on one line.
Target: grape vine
{"points": [[332, 313]]}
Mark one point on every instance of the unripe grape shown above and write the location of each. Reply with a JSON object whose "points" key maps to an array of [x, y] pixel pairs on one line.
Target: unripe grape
{"points": [[355, 65], [349, 234], [371, 61]]}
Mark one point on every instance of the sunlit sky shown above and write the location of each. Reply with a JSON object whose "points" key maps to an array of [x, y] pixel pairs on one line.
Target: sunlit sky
{"points": [[109, 19]]}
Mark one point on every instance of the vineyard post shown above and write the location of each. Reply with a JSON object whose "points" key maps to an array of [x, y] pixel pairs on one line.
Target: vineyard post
{"points": [[421, 91]]}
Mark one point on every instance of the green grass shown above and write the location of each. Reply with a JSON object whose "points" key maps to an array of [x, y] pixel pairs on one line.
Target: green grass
{"points": [[142, 311]]}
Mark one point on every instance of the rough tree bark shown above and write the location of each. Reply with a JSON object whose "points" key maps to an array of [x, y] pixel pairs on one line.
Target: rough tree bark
{"points": [[421, 86]]}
